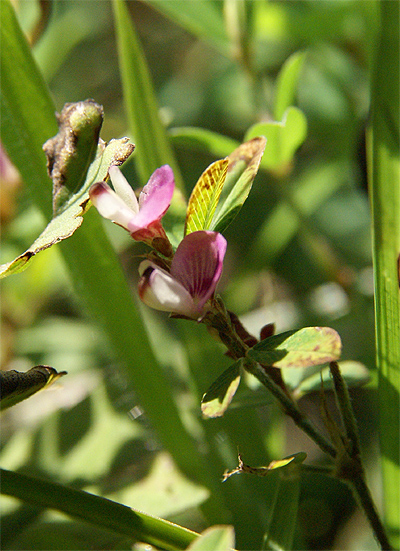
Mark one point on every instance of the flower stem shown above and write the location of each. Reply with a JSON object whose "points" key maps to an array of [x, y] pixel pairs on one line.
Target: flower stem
{"points": [[290, 407]]}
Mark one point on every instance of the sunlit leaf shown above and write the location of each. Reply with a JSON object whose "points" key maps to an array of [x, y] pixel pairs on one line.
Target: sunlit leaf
{"points": [[286, 84], [217, 538], [17, 386], [204, 198], [242, 169], [64, 224], [283, 138], [218, 397], [305, 347]]}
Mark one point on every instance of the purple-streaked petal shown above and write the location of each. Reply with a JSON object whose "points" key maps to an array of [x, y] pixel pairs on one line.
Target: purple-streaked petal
{"points": [[110, 205], [198, 262], [159, 290], [123, 189], [155, 197]]}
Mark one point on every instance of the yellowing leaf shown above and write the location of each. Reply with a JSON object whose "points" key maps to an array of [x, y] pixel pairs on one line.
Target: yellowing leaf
{"points": [[204, 198], [302, 348]]}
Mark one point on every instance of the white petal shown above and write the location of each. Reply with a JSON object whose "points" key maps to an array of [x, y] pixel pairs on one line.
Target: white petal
{"points": [[110, 205], [123, 189], [159, 290]]}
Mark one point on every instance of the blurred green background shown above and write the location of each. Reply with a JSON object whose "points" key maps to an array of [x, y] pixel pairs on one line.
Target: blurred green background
{"points": [[298, 254]]}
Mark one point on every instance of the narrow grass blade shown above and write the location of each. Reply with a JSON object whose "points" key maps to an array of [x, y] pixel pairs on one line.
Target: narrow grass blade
{"points": [[152, 145], [202, 18], [385, 195], [97, 510]]}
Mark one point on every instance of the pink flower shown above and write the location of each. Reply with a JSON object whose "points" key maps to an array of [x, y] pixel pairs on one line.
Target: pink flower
{"points": [[195, 271], [141, 218]]}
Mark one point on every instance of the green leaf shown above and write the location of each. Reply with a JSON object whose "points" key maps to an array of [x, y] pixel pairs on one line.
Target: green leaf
{"points": [[242, 169], [204, 198], [152, 145], [354, 373], [201, 18], [283, 138], [64, 224], [218, 397], [17, 386], [217, 538], [286, 85], [305, 347], [101, 512], [384, 175]]}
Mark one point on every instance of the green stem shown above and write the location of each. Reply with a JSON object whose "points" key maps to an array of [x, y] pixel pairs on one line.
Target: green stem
{"points": [[355, 475], [290, 407], [363, 496], [221, 322]]}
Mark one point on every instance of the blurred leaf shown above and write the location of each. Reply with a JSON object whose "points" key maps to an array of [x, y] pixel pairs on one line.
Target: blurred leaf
{"points": [[204, 198], [83, 20], [96, 510], [218, 397], [217, 538], [17, 386], [283, 138], [204, 140], [64, 224], [242, 169], [354, 373], [152, 145], [286, 85], [302, 348], [282, 524], [201, 18]]}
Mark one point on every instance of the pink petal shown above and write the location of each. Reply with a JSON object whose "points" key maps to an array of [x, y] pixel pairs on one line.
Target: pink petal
{"points": [[155, 198], [197, 264], [159, 290], [110, 205]]}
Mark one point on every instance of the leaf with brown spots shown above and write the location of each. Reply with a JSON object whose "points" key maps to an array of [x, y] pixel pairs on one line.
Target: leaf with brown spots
{"points": [[205, 196], [303, 348]]}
